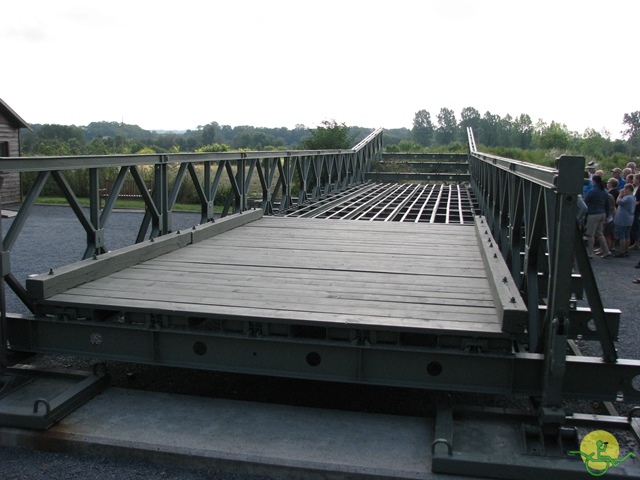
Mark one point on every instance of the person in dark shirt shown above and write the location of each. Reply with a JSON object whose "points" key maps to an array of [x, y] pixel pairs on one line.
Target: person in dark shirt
{"points": [[613, 187], [597, 200], [617, 174]]}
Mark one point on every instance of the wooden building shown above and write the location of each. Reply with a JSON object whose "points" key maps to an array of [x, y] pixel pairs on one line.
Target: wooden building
{"points": [[10, 125]]}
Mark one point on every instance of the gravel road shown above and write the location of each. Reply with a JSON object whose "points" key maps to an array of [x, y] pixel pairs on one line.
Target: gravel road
{"points": [[52, 237]]}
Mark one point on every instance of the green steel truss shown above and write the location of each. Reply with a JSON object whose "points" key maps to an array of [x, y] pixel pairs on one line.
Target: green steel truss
{"points": [[531, 215], [284, 179]]}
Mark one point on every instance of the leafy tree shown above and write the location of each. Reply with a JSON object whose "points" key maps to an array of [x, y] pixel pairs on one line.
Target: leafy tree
{"points": [[61, 132], [145, 151], [632, 131], [209, 132], [593, 144], [505, 131], [523, 131], [489, 129], [330, 135], [469, 117], [422, 132], [447, 126], [555, 136], [112, 129], [214, 147], [408, 146]]}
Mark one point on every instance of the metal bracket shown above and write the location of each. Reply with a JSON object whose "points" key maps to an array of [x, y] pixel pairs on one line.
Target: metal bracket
{"points": [[508, 444], [37, 398]]}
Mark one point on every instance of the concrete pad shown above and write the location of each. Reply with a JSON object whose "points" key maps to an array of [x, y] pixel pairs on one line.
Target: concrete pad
{"points": [[240, 437]]}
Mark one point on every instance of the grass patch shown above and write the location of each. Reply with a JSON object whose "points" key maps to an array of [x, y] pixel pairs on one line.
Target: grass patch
{"points": [[124, 203]]}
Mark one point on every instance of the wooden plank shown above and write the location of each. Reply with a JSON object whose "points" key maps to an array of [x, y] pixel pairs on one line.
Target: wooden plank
{"points": [[335, 261], [280, 316], [465, 249], [45, 285], [512, 311], [203, 232], [427, 278], [219, 279], [365, 279], [318, 301]]}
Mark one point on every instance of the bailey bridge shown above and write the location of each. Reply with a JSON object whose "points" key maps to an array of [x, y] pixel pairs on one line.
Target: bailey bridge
{"points": [[465, 273]]}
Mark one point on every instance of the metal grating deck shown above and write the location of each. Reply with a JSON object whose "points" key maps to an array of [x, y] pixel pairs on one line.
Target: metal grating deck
{"points": [[418, 203]]}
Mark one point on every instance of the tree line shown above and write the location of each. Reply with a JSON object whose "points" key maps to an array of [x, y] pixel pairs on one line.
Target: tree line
{"points": [[516, 137], [103, 138], [491, 130]]}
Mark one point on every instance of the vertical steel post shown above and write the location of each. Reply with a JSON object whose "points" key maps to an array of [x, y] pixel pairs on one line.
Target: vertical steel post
{"points": [[3, 301], [562, 235]]}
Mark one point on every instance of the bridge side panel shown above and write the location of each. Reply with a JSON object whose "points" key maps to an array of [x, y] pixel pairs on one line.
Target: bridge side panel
{"points": [[512, 311], [45, 285]]}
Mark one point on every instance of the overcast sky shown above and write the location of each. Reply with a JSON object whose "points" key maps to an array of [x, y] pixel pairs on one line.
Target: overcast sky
{"points": [[371, 63]]}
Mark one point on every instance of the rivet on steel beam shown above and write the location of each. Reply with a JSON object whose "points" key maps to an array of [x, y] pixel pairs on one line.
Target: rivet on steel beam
{"points": [[491, 245], [495, 255], [51, 271], [513, 300], [504, 280], [177, 232]]}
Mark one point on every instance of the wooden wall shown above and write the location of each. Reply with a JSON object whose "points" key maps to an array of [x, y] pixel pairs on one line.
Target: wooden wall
{"points": [[10, 136]]}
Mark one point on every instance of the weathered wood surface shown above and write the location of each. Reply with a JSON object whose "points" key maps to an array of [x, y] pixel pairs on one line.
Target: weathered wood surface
{"points": [[420, 277], [45, 285]]}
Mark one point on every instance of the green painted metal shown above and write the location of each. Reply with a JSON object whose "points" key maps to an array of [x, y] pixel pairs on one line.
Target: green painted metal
{"points": [[531, 211], [510, 444], [333, 354], [37, 398], [318, 173], [525, 208]]}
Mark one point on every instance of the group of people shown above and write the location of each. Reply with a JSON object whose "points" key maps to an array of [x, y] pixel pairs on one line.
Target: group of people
{"points": [[612, 212]]}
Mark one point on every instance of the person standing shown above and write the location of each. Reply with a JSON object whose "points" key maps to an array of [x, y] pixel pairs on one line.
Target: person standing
{"points": [[613, 187], [617, 174], [632, 166], [597, 200], [623, 220]]}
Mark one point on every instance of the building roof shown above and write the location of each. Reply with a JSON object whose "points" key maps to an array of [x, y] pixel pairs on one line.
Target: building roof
{"points": [[7, 112]]}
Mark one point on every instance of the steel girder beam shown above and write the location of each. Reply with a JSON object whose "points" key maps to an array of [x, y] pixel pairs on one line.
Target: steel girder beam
{"points": [[258, 352]]}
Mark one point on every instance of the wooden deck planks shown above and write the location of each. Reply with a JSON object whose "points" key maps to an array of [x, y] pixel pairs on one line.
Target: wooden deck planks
{"points": [[387, 275]]}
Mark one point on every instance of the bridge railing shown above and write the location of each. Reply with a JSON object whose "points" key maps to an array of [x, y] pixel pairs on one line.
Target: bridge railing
{"points": [[272, 180], [531, 211]]}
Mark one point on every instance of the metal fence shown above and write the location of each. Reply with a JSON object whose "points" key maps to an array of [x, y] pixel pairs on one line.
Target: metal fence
{"points": [[271, 180], [531, 211]]}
